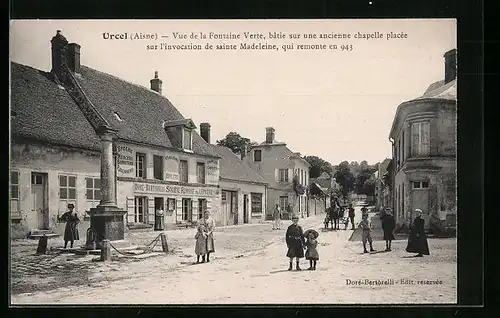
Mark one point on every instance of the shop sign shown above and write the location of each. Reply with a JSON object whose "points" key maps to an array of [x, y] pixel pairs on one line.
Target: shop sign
{"points": [[175, 190], [125, 160]]}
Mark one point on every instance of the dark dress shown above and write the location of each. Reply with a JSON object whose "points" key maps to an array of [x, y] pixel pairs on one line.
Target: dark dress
{"points": [[417, 241], [71, 229], [295, 241], [312, 251], [388, 226]]}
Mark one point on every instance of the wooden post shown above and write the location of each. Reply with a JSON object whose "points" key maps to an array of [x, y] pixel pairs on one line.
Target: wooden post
{"points": [[42, 245], [105, 251], [164, 244]]}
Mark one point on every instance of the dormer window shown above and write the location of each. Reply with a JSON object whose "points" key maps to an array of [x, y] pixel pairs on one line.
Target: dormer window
{"points": [[180, 133], [187, 139]]}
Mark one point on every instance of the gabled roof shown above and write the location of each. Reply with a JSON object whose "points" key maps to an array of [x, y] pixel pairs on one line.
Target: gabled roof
{"points": [[231, 167], [143, 111], [382, 168], [44, 111], [321, 182]]}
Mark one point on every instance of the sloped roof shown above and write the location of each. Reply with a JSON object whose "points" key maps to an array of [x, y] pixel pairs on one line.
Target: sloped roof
{"points": [[382, 168], [143, 111], [325, 175], [323, 183], [44, 111], [440, 90], [233, 168]]}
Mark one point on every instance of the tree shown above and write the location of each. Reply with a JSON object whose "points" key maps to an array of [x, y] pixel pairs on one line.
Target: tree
{"points": [[369, 187], [235, 142], [318, 166], [345, 178]]}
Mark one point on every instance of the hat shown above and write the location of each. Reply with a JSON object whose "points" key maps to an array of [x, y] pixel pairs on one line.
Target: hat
{"points": [[71, 205], [418, 211], [295, 217], [314, 232]]}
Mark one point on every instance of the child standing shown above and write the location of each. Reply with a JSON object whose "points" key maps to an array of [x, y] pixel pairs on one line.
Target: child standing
{"points": [[312, 252], [295, 242], [200, 247], [366, 236]]}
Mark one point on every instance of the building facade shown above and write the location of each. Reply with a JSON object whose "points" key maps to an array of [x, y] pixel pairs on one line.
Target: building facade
{"points": [[57, 119], [423, 135], [279, 167], [382, 185], [243, 191]]}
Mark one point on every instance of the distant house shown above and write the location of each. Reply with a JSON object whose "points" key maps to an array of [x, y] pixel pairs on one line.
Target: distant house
{"points": [[327, 185], [279, 166], [243, 191], [382, 185], [60, 120], [423, 136]]}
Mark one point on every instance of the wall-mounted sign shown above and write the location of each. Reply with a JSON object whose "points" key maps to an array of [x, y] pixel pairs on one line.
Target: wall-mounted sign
{"points": [[125, 160], [171, 189]]}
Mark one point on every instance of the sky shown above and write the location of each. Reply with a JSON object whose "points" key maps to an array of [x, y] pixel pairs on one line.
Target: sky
{"points": [[335, 104]]}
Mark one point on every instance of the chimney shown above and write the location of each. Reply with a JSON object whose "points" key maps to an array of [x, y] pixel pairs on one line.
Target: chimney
{"points": [[73, 55], [205, 131], [59, 47], [269, 135], [243, 151], [156, 83], [450, 66]]}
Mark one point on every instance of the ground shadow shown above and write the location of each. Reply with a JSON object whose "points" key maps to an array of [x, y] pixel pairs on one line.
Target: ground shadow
{"points": [[280, 271]]}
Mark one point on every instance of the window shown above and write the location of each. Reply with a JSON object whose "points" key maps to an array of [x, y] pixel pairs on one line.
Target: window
{"points": [[93, 189], [67, 187], [200, 172], [283, 202], [183, 171], [403, 147], [420, 139], [257, 155], [420, 184], [140, 165], [14, 185], [187, 208], [36, 178], [140, 209], [186, 139], [202, 206], [283, 175], [256, 203], [158, 167], [224, 196], [399, 153]]}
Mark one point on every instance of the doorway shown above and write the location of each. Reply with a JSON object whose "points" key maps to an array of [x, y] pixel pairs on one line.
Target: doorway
{"points": [[40, 200], [245, 208]]}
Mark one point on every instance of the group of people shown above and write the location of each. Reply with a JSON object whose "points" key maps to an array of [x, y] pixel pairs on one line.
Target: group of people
{"points": [[297, 241], [417, 240], [336, 213]]}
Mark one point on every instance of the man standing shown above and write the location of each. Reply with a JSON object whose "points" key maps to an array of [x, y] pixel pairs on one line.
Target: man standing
{"points": [[388, 226], [366, 226], [277, 217], [351, 215]]}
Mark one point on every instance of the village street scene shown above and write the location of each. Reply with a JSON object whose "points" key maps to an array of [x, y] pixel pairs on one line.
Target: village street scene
{"points": [[177, 181]]}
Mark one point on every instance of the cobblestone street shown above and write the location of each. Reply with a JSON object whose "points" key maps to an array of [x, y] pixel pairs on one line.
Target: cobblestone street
{"points": [[250, 266]]}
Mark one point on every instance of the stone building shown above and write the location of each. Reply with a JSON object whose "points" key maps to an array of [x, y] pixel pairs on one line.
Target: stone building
{"points": [[423, 136], [323, 190], [279, 166], [243, 191], [59, 120], [382, 185]]}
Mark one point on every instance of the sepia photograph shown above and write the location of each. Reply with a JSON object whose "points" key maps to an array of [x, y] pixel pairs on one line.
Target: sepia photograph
{"points": [[273, 161]]}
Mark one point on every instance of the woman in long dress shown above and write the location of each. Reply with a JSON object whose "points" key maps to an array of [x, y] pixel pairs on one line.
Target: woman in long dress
{"points": [[71, 229], [417, 241], [209, 225]]}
